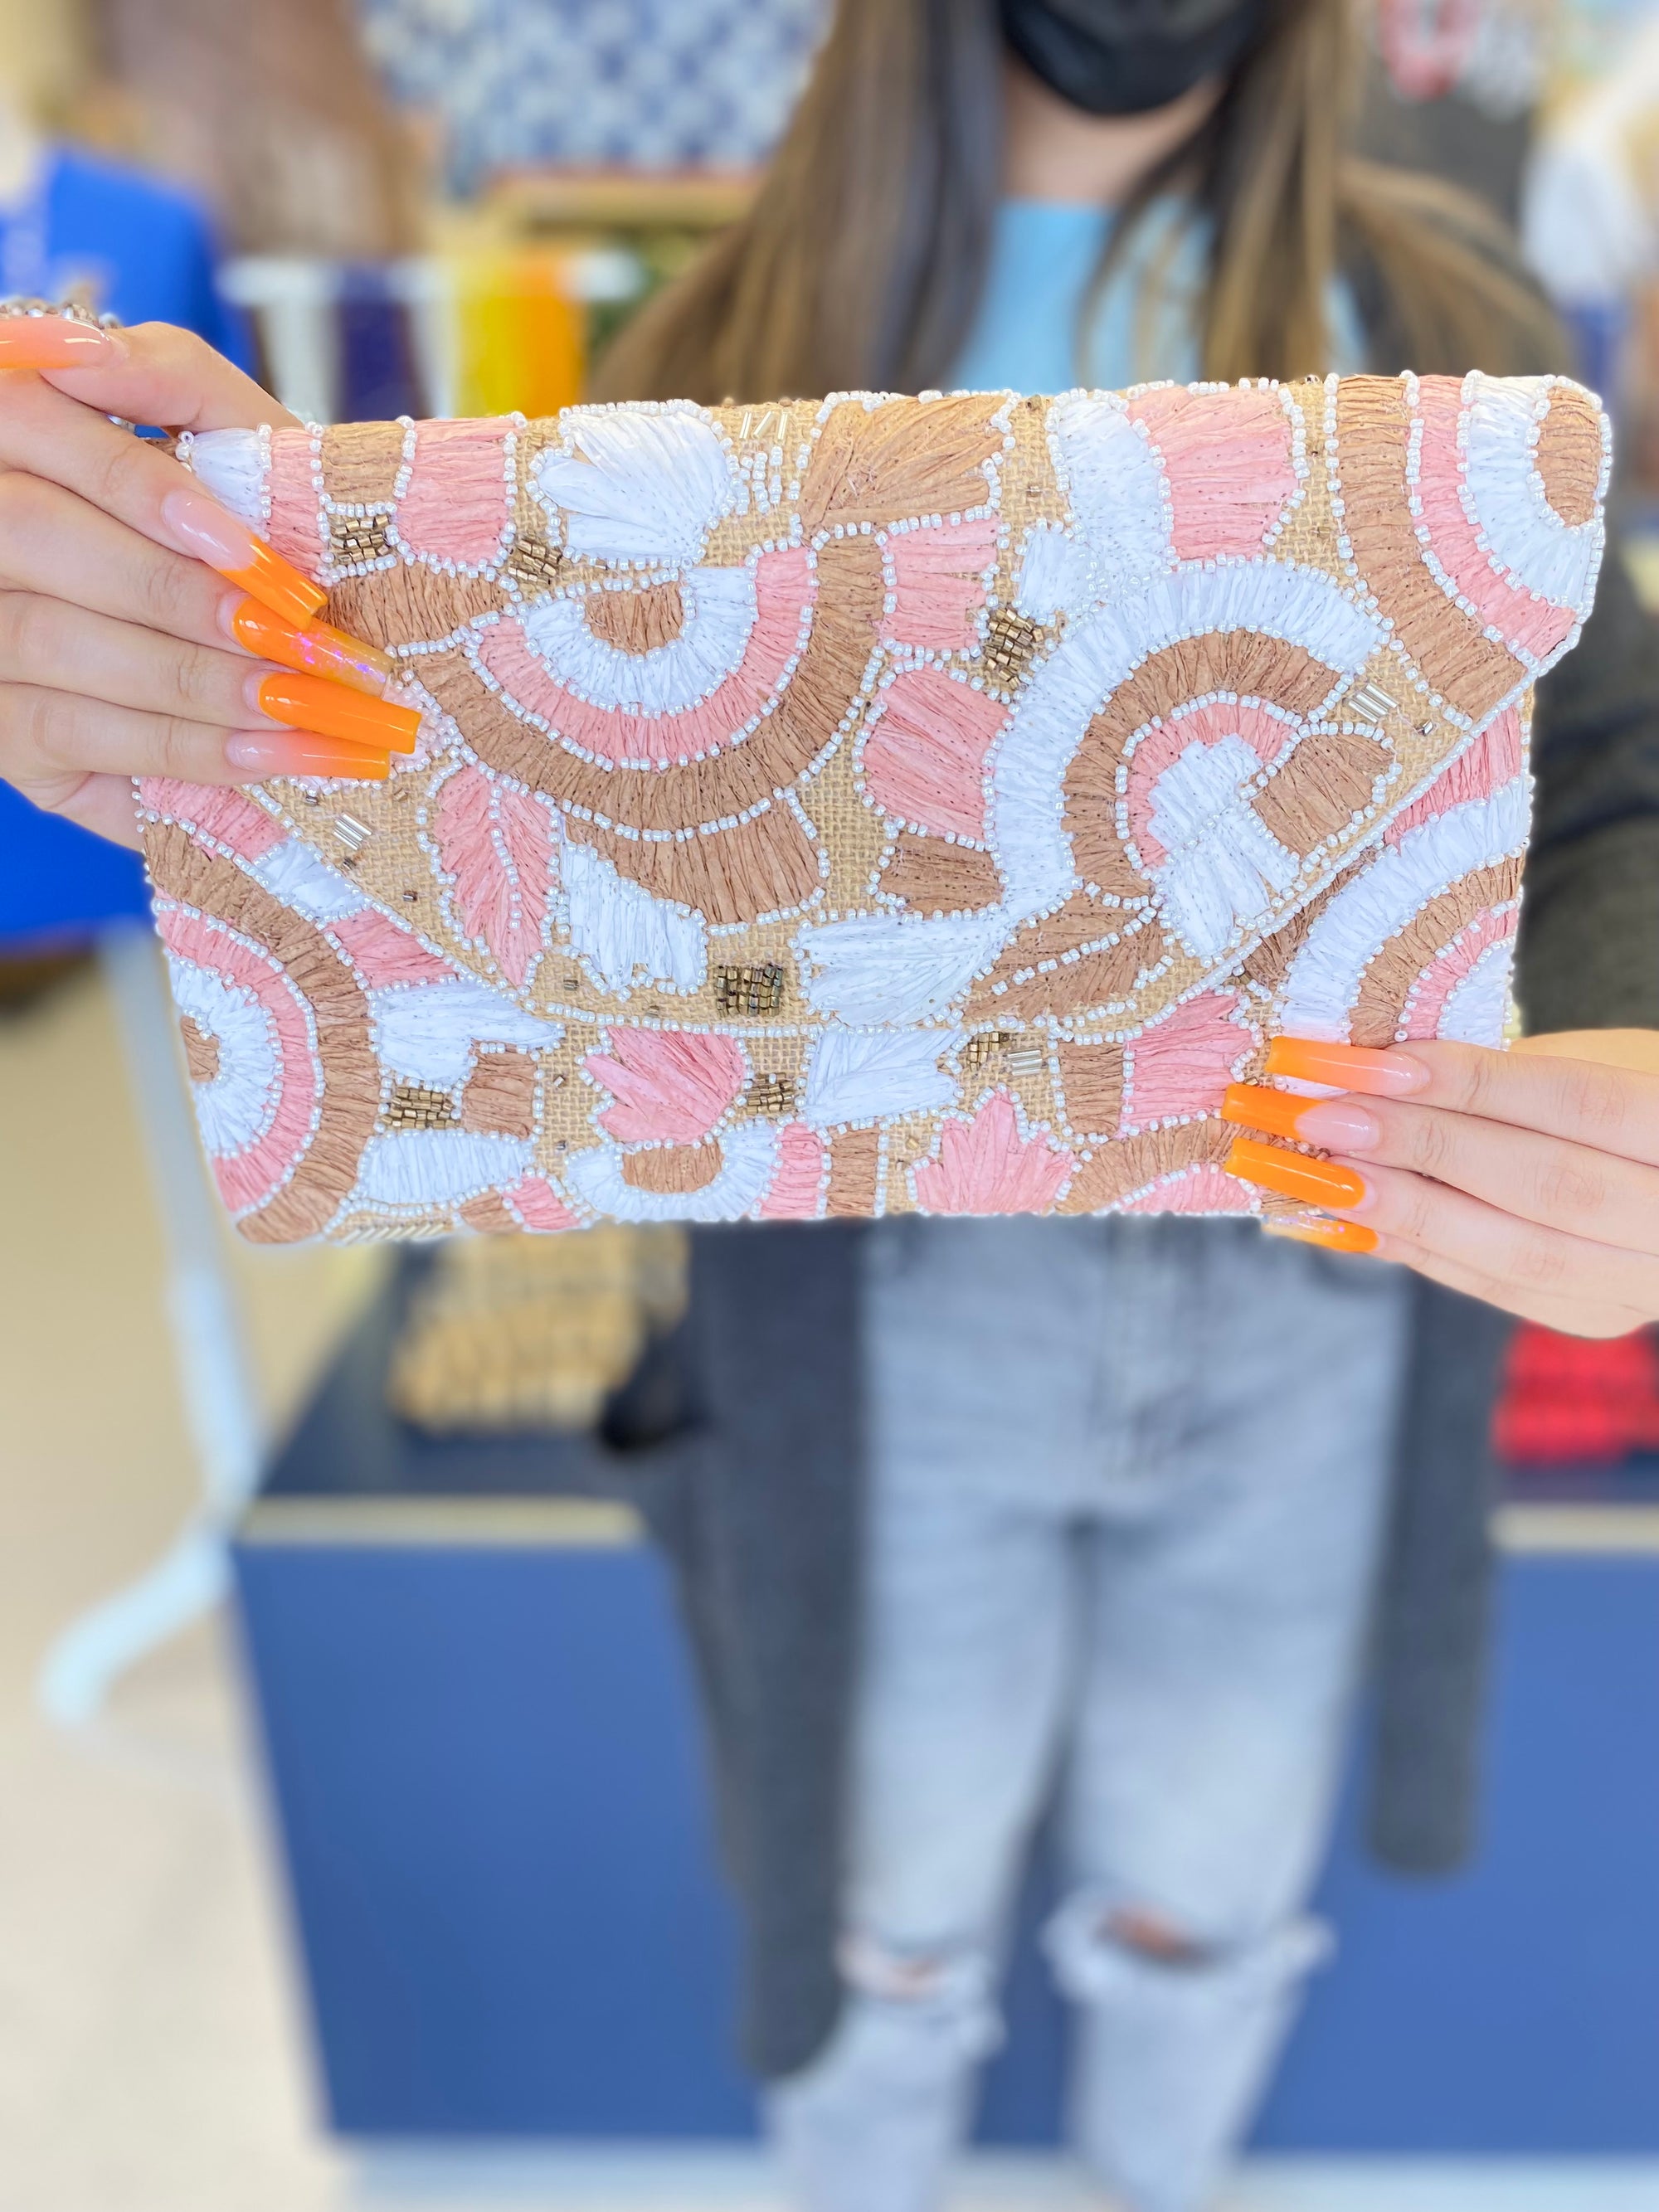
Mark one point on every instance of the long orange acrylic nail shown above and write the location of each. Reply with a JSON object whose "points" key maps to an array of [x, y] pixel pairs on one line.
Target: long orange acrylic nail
{"points": [[1332, 1235], [209, 532], [1293, 1174], [320, 650], [1255, 1106], [1346, 1066], [52, 341], [261, 753], [313, 703]]}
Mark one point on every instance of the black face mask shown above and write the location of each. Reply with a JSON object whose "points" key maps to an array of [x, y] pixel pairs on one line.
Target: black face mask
{"points": [[1124, 57]]}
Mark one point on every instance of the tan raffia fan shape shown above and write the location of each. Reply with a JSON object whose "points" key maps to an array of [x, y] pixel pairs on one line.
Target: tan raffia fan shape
{"points": [[874, 805]]}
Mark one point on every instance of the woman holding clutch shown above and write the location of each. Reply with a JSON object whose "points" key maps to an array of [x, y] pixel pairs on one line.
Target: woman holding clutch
{"points": [[1001, 1509]]}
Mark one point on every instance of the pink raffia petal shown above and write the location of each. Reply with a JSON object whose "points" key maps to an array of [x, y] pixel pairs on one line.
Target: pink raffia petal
{"points": [[296, 527], [985, 1166], [217, 811], [381, 952], [671, 1085], [796, 1191], [535, 1205], [497, 843], [924, 761], [1229, 463], [1479, 771], [1204, 1189], [456, 507], [1182, 1065], [939, 584]]}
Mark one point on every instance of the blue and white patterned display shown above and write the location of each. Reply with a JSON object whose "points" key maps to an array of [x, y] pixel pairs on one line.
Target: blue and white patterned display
{"points": [[647, 83]]}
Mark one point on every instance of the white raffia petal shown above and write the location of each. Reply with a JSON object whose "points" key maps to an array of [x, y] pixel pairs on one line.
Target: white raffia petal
{"points": [[1526, 539], [1110, 470], [644, 485], [1225, 867], [236, 1108], [232, 464], [624, 934], [749, 1159], [871, 1075], [426, 1032], [883, 968], [294, 873], [720, 608], [437, 1167]]}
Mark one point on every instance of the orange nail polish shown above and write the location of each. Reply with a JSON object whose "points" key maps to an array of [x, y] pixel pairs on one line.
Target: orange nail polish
{"points": [[1336, 1125], [321, 650], [1334, 1236], [1346, 1066], [259, 753], [51, 342], [313, 703], [209, 532], [1255, 1106], [1293, 1174]]}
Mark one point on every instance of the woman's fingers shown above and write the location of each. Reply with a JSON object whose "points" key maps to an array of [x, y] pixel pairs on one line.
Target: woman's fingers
{"points": [[53, 542], [51, 740], [155, 373], [1407, 1211], [106, 804], [44, 432], [1569, 1316], [49, 642], [1609, 1107], [1549, 1179]]}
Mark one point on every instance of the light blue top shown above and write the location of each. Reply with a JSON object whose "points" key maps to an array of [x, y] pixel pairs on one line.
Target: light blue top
{"points": [[1025, 336]]}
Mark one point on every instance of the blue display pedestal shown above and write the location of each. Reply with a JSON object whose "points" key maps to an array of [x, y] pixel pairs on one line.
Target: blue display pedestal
{"points": [[487, 1774]]}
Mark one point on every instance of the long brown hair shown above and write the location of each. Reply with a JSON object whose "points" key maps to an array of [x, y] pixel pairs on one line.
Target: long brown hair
{"points": [[860, 263]]}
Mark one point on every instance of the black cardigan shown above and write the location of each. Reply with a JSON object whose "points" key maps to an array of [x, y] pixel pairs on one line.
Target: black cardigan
{"points": [[741, 1439]]}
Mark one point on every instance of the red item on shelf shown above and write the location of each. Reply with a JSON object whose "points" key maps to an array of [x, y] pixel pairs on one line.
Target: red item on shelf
{"points": [[1568, 1398]]}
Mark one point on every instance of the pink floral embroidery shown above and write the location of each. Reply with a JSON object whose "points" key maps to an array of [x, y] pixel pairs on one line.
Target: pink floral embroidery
{"points": [[381, 952], [985, 1166], [924, 761], [497, 843], [1480, 770], [1266, 733], [292, 1082], [1204, 1189], [671, 1085], [296, 527], [1182, 1065], [1229, 463], [456, 507], [938, 584], [795, 1192], [534, 1202], [1533, 624], [220, 812], [1427, 1005], [785, 588]]}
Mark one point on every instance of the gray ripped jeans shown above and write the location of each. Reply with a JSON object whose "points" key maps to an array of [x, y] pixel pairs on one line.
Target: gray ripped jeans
{"points": [[1128, 1483]]}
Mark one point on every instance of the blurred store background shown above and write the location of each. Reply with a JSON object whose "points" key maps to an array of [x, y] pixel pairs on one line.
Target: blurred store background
{"points": [[390, 1874]]}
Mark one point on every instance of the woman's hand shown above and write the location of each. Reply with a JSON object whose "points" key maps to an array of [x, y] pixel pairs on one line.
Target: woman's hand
{"points": [[123, 648], [1528, 1178]]}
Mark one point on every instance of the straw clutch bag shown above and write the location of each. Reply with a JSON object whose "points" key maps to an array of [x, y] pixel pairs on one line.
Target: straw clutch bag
{"points": [[874, 804]]}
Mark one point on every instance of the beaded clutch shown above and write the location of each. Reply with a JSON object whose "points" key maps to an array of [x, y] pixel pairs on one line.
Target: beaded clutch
{"points": [[872, 805]]}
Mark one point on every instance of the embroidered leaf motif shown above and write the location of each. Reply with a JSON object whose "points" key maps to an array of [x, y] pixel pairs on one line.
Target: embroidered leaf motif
{"points": [[497, 843]]}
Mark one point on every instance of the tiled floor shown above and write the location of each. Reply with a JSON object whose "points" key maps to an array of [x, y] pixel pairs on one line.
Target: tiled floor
{"points": [[150, 2057]]}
